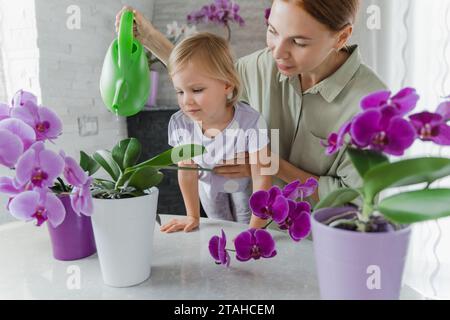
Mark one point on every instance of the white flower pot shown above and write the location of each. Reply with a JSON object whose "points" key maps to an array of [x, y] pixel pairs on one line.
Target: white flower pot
{"points": [[123, 230]]}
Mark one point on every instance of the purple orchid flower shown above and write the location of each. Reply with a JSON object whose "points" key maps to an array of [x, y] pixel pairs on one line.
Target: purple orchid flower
{"points": [[433, 126], [73, 173], [38, 166], [336, 140], [4, 111], [40, 205], [298, 221], [217, 249], [444, 110], [267, 14], [22, 130], [254, 243], [296, 189], [44, 121], [81, 198], [221, 12], [11, 148], [21, 97], [10, 187], [403, 102], [269, 204], [382, 130]]}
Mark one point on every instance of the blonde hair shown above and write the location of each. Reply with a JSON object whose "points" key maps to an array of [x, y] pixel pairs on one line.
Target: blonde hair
{"points": [[213, 55]]}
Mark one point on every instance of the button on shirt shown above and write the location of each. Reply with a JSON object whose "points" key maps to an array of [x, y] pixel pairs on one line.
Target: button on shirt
{"points": [[246, 132], [305, 118]]}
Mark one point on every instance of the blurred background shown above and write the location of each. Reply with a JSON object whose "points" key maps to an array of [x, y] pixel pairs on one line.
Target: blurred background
{"points": [[55, 49]]}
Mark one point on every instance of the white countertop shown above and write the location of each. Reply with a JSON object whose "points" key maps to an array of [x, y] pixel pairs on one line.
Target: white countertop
{"points": [[182, 269]]}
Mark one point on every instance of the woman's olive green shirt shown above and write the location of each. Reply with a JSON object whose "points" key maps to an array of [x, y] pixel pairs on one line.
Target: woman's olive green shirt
{"points": [[305, 118]]}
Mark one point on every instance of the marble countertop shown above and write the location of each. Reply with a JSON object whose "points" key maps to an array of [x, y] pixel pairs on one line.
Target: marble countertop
{"points": [[182, 269]]}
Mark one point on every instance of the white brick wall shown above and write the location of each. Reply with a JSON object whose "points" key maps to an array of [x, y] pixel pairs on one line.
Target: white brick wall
{"points": [[62, 66], [244, 40]]}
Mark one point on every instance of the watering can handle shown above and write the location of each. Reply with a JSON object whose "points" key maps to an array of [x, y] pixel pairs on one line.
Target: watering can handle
{"points": [[125, 40]]}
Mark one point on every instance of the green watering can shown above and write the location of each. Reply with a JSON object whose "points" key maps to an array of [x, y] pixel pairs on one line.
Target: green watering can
{"points": [[125, 81]]}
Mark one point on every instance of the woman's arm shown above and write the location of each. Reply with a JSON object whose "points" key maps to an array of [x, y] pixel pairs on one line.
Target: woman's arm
{"points": [[260, 180], [148, 35], [286, 172], [188, 181]]}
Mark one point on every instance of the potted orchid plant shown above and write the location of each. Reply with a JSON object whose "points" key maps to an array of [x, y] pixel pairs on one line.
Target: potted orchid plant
{"points": [[125, 207], [361, 249], [220, 12], [46, 186], [287, 207]]}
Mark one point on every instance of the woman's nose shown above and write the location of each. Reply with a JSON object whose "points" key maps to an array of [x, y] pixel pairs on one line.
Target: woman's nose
{"points": [[280, 51]]}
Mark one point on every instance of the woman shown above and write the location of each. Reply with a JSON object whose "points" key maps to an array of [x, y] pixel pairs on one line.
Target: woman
{"points": [[306, 84]]}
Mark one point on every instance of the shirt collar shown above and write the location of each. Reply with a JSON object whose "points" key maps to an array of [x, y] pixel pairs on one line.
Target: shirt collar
{"points": [[330, 87]]}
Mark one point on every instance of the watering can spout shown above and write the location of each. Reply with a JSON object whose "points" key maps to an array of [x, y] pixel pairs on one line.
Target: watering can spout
{"points": [[119, 95]]}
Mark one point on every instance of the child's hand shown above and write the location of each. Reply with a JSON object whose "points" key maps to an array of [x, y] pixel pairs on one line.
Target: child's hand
{"points": [[186, 224]]}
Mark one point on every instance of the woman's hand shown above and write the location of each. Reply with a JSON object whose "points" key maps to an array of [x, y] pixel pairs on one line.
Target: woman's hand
{"points": [[239, 167], [148, 35], [186, 224], [142, 27]]}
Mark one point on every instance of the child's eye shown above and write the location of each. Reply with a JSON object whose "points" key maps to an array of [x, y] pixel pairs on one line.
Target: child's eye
{"points": [[197, 90], [271, 30], [179, 92]]}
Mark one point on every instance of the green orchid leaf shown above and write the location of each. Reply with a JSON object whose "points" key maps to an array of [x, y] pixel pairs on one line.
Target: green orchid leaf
{"points": [[124, 177], [364, 160], [416, 206], [174, 155], [88, 164], [338, 198], [403, 173], [105, 159], [145, 177], [127, 152]]}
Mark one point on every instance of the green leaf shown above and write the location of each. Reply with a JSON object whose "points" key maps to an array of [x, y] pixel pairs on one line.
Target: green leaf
{"points": [[363, 160], [403, 173], [145, 178], [174, 155], [124, 177], [106, 184], [88, 164], [415, 206], [338, 198], [127, 152], [105, 159]]}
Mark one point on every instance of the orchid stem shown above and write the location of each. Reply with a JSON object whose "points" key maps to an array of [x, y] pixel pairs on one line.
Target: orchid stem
{"points": [[232, 250], [228, 32], [265, 227]]}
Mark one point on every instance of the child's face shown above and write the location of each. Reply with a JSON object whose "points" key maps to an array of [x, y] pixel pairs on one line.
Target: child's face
{"points": [[200, 97]]}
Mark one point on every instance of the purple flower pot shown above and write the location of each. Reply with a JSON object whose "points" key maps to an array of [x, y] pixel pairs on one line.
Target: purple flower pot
{"points": [[154, 80], [74, 238], [358, 266]]}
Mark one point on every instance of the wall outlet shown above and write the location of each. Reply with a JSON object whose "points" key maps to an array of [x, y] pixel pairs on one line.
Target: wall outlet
{"points": [[87, 126]]}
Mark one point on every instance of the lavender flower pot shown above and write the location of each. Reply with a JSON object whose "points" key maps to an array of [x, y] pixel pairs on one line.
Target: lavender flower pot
{"points": [[124, 231], [73, 239], [154, 80], [358, 266]]}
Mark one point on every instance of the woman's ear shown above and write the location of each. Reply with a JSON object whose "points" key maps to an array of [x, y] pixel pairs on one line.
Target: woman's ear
{"points": [[343, 36]]}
